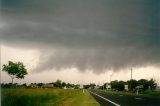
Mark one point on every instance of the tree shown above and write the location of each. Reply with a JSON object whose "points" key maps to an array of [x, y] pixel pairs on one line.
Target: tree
{"points": [[15, 70], [114, 84], [58, 84], [92, 85], [63, 84], [68, 85], [118, 85], [152, 84], [132, 84], [40, 84], [86, 86], [144, 82], [121, 85]]}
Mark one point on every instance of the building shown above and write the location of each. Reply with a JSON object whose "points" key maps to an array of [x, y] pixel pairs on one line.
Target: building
{"points": [[48, 85], [108, 85]]}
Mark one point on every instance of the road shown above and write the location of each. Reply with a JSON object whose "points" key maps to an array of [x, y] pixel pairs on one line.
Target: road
{"points": [[115, 99]]}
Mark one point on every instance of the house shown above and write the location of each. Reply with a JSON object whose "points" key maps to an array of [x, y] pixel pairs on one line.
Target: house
{"points": [[48, 85], [126, 87], [108, 85]]}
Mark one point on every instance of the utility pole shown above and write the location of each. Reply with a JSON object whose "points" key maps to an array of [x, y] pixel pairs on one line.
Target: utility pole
{"points": [[111, 80], [131, 78], [111, 77], [131, 73]]}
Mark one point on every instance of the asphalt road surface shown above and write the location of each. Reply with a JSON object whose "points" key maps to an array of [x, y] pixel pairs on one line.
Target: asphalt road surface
{"points": [[113, 99]]}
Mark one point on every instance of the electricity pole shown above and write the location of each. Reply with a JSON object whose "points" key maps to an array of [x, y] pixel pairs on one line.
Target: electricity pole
{"points": [[131, 73], [111, 77], [131, 78]]}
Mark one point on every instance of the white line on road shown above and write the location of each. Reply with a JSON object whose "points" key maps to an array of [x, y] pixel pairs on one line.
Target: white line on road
{"points": [[138, 98], [105, 99]]}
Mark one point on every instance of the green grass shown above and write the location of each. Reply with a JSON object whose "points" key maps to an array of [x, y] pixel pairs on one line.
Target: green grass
{"points": [[46, 97], [152, 93], [148, 93]]}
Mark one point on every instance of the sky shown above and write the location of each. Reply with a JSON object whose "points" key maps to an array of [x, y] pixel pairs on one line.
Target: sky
{"points": [[81, 41]]}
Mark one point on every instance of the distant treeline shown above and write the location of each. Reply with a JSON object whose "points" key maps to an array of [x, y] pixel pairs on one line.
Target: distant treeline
{"points": [[132, 85], [56, 84]]}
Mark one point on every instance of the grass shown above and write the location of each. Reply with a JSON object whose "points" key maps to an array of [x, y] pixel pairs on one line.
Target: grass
{"points": [[152, 93], [82, 99], [46, 97]]}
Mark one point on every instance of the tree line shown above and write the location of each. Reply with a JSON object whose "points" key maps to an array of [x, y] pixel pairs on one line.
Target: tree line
{"points": [[142, 84], [132, 85], [57, 84]]}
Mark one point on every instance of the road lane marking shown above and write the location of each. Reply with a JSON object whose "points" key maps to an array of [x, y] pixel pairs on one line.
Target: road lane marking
{"points": [[138, 98], [105, 99]]}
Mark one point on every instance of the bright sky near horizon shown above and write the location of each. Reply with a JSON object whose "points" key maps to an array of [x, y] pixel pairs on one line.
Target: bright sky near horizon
{"points": [[30, 59], [81, 41]]}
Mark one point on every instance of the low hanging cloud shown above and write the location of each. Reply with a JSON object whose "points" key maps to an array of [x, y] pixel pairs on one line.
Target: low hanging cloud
{"points": [[87, 35]]}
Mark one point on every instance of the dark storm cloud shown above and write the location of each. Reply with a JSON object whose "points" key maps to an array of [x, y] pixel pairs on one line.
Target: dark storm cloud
{"points": [[86, 34]]}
